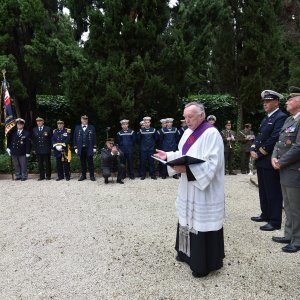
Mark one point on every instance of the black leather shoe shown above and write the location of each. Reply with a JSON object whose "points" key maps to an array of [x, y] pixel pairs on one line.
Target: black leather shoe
{"points": [[106, 180], [18, 178], [41, 179], [153, 177], [269, 227], [58, 179], [178, 258], [120, 181], [67, 178], [48, 178], [176, 176], [143, 178], [290, 248], [81, 178], [163, 177], [131, 177], [258, 219], [282, 240], [197, 275], [93, 178], [23, 179]]}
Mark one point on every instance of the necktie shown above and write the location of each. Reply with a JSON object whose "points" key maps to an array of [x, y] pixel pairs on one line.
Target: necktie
{"points": [[40, 128], [19, 132]]}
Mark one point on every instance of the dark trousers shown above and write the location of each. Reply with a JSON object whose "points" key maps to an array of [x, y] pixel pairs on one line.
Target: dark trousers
{"points": [[228, 155], [106, 171], [128, 160], [245, 156], [146, 157], [20, 166], [44, 164], [63, 168], [84, 158], [270, 195]]}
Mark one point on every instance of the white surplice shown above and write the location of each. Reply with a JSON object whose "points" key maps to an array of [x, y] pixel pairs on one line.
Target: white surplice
{"points": [[200, 203]]}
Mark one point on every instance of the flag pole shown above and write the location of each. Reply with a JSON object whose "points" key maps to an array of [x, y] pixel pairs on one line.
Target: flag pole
{"points": [[5, 140]]}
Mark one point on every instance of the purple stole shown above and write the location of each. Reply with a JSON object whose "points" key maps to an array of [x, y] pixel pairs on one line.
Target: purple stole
{"points": [[195, 136]]}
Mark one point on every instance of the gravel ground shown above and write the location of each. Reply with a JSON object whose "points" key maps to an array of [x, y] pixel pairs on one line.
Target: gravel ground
{"points": [[87, 240]]}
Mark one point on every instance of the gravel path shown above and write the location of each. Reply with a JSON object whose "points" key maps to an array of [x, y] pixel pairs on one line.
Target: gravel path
{"points": [[87, 240]]}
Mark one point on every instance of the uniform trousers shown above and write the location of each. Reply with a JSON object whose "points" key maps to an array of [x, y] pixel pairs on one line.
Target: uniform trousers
{"points": [[20, 166], [146, 158], [63, 168], [84, 158], [44, 164], [106, 171], [291, 198], [228, 155], [245, 157], [270, 195], [128, 160]]}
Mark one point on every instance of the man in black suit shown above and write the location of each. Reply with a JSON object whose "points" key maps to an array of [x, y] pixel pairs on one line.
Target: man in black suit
{"points": [[18, 146], [41, 139], [261, 151], [85, 146]]}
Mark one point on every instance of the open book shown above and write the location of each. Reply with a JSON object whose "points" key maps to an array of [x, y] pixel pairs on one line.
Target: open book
{"points": [[183, 160]]}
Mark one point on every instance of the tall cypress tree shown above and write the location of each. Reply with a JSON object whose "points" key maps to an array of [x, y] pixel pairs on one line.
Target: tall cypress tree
{"points": [[248, 54]]}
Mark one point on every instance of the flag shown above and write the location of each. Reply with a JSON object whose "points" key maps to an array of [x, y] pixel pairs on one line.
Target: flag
{"points": [[7, 113]]}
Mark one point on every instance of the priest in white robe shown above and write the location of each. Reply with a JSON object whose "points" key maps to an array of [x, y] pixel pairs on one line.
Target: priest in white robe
{"points": [[200, 199]]}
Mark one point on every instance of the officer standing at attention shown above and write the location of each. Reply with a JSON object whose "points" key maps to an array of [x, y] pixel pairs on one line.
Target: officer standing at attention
{"points": [[286, 159], [125, 140], [147, 139], [245, 137], [261, 151], [159, 137], [169, 138], [85, 146], [211, 119], [182, 128], [18, 146], [229, 139], [62, 152], [41, 139]]}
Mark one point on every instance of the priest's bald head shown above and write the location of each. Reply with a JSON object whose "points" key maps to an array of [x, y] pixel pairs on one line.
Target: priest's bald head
{"points": [[194, 114]]}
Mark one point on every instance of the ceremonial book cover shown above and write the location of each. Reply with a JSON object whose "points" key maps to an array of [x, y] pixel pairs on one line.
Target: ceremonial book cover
{"points": [[183, 160]]}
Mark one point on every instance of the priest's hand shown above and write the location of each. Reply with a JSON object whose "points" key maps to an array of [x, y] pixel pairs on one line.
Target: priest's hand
{"points": [[160, 154], [180, 169]]}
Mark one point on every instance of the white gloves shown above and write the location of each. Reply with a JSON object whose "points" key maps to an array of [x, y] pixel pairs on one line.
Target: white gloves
{"points": [[76, 151], [58, 147], [94, 150], [8, 151], [27, 155]]}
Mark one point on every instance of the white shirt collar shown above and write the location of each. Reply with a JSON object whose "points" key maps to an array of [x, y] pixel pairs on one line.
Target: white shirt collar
{"points": [[296, 115], [271, 113]]}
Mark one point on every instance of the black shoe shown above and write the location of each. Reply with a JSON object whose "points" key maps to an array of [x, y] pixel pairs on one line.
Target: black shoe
{"points": [[58, 179], [131, 177], [120, 181], [163, 177], [290, 248], [81, 178], [153, 177], [176, 176], [258, 219], [68, 178], [23, 179], [232, 173], [178, 258], [93, 178], [19, 178], [143, 178], [48, 178], [197, 275], [282, 240], [269, 227], [106, 180], [41, 179]]}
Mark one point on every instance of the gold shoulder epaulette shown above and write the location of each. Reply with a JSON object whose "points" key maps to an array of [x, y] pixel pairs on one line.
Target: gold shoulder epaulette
{"points": [[68, 130]]}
